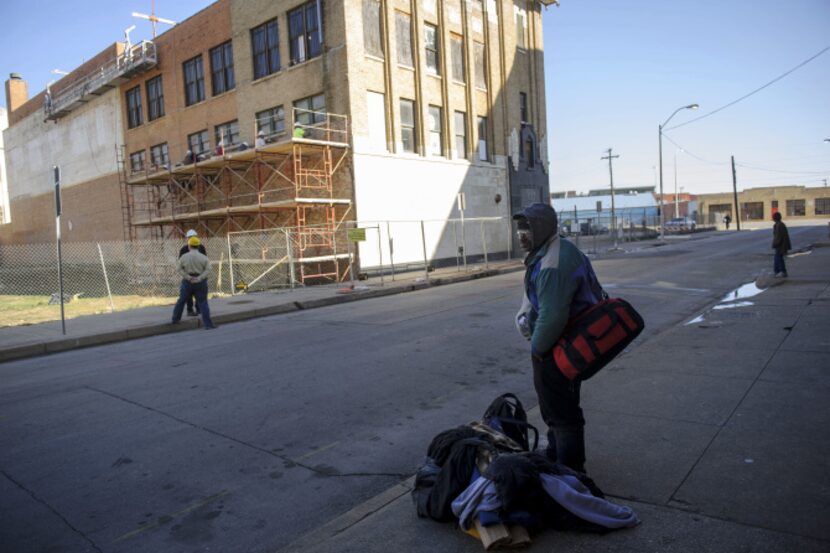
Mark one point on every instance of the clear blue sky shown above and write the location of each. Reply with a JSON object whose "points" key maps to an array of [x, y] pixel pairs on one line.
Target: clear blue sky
{"points": [[614, 71]]}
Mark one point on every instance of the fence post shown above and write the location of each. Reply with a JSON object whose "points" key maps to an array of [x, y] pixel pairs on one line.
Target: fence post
{"points": [[424, 245], [106, 278], [291, 258], [484, 245], [464, 240], [391, 250], [230, 266], [219, 276], [380, 256]]}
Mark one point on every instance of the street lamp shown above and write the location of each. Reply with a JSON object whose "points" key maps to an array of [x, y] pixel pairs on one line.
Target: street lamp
{"points": [[660, 137]]}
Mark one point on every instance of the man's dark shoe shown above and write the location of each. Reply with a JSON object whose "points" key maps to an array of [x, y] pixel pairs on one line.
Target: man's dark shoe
{"points": [[192, 314], [210, 327], [174, 322]]}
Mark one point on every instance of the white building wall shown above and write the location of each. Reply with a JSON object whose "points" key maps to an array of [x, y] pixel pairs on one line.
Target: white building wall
{"points": [[81, 143], [5, 214], [399, 192]]}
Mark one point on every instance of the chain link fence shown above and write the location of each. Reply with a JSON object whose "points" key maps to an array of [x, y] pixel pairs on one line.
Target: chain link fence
{"points": [[112, 276]]}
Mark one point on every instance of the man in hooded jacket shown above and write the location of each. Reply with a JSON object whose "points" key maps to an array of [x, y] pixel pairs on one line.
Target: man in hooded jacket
{"points": [[559, 284]]}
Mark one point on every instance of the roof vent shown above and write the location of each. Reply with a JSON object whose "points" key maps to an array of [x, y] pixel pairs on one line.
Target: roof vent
{"points": [[16, 76]]}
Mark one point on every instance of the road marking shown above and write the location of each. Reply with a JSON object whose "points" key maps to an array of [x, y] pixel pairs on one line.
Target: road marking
{"points": [[315, 452], [168, 518], [662, 285]]}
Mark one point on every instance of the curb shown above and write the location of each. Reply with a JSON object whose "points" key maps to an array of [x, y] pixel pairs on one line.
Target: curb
{"points": [[65, 344]]}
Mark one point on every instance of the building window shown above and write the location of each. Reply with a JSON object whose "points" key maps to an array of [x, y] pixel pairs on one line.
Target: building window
{"points": [[521, 29], [721, 208], [134, 115], [457, 58], [155, 98], [304, 37], [529, 153], [460, 135], [194, 81], [137, 161], [372, 29], [432, 47], [436, 135], [408, 126], [752, 211], [523, 107], [221, 68], [271, 121], [265, 48], [822, 206], [198, 143], [376, 107], [796, 208], [311, 110], [403, 38], [159, 156], [482, 139], [227, 134], [481, 64]]}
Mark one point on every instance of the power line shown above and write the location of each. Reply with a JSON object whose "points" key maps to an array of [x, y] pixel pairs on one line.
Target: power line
{"points": [[744, 97], [693, 155]]}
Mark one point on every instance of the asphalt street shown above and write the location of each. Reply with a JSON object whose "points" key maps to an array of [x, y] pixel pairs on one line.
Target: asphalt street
{"points": [[248, 437]]}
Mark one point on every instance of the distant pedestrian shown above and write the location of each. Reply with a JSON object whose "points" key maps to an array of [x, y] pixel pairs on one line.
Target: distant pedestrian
{"points": [[186, 248], [559, 284], [194, 268], [260, 140], [726, 220], [781, 244]]}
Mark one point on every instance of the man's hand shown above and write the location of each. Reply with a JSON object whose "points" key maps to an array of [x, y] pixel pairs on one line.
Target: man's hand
{"points": [[194, 280]]}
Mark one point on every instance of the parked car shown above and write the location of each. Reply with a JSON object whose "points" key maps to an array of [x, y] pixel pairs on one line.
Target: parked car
{"points": [[680, 224]]}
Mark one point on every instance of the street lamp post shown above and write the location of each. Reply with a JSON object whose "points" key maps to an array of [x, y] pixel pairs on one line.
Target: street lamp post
{"points": [[660, 141]]}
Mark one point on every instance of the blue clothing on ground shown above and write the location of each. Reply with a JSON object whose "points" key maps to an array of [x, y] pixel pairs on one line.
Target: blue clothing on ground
{"points": [[574, 496]]}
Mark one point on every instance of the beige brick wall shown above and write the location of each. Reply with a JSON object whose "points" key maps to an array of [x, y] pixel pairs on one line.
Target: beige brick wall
{"points": [[323, 74], [91, 212], [194, 36]]}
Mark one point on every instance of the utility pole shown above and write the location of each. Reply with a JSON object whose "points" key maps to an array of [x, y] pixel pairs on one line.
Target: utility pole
{"points": [[609, 157], [735, 195]]}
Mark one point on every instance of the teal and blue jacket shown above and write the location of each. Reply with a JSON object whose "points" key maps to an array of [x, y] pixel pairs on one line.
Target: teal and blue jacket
{"points": [[560, 283]]}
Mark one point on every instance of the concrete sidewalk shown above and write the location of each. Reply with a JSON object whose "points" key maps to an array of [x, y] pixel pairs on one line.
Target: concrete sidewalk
{"points": [[717, 433], [91, 330]]}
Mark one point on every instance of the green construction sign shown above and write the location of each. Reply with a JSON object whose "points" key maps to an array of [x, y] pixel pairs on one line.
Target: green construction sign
{"points": [[357, 234]]}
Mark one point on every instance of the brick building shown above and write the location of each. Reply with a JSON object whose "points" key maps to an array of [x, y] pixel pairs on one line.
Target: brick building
{"points": [[401, 105], [758, 204]]}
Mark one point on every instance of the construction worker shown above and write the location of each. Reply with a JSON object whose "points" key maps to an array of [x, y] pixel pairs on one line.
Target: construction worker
{"points": [[194, 269], [299, 131], [191, 312]]}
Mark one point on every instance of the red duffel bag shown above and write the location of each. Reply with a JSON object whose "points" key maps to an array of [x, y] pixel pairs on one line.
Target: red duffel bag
{"points": [[595, 337]]}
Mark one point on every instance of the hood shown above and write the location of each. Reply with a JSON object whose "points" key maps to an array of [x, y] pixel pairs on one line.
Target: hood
{"points": [[542, 220]]}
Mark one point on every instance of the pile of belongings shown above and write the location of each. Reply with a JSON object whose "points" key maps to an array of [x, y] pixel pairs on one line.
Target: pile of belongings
{"points": [[486, 477]]}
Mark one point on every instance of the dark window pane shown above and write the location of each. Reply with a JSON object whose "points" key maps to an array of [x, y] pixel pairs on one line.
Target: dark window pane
{"points": [[403, 38]]}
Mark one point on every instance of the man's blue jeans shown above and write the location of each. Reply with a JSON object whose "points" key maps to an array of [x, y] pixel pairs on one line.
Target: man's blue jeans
{"points": [[778, 264], [200, 291]]}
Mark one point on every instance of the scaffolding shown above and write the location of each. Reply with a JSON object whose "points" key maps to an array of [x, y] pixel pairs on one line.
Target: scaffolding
{"points": [[284, 181], [134, 60]]}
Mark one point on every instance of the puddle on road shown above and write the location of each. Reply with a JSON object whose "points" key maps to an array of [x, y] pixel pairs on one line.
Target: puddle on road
{"points": [[748, 290], [731, 305]]}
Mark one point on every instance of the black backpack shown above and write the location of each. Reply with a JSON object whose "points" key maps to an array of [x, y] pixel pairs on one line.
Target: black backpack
{"points": [[507, 415]]}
